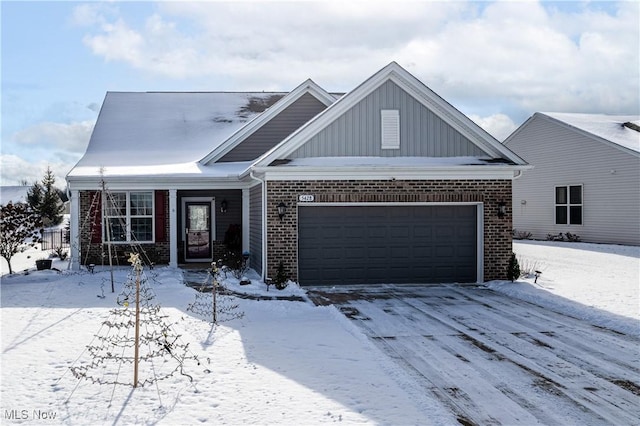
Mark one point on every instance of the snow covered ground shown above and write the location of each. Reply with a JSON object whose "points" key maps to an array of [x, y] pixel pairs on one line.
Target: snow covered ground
{"points": [[596, 282], [284, 362]]}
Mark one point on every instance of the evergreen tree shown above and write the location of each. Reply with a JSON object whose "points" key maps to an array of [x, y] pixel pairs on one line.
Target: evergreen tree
{"points": [[34, 197], [19, 226], [51, 208], [513, 270], [282, 278]]}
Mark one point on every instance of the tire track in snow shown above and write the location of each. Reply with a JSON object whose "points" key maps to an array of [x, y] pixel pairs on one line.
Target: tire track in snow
{"points": [[507, 404], [612, 405], [616, 408], [493, 360]]}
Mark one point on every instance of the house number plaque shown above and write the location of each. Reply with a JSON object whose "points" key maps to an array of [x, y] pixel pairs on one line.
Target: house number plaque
{"points": [[306, 198]]}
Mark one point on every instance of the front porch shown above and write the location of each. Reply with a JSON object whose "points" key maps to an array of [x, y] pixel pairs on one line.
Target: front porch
{"points": [[184, 227]]}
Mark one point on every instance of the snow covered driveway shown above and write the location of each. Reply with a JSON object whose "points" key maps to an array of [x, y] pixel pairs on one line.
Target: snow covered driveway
{"points": [[492, 359]]}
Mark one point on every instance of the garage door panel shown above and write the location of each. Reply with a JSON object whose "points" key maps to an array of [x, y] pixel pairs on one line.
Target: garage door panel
{"points": [[400, 252], [466, 252], [465, 214], [378, 232], [352, 255], [422, 231], [353, 231], [376, 253], [445, 232], [465, 232], [387, 244], [331, 255], [445, 252]]}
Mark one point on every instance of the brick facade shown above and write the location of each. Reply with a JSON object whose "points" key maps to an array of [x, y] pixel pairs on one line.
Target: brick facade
{"points": [[282, 236]]}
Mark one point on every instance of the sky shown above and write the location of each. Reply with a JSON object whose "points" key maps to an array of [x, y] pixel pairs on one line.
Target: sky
{"points": [[497, 62]]}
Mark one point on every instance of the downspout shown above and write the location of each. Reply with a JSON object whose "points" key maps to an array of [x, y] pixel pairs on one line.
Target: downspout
{"points": [[264, 224]]}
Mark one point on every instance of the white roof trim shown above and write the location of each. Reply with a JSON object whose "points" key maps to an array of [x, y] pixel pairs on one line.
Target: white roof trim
{"points": [[415, 88], [391, 173], [309, 86], [147, 183]]}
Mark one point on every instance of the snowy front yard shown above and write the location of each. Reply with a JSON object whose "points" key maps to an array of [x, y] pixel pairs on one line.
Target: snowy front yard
{"points": [[284, 362]]}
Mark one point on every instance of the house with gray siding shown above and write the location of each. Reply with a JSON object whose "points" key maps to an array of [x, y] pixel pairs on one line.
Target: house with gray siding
{"points": [[586, 177], [387, 183]]}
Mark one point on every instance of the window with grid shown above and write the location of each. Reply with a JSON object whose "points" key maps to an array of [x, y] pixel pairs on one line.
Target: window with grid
{"points": [[129, 217], [569, 205]]}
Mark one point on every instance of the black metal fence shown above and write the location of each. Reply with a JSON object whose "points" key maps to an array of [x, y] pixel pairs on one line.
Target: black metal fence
{"points": [[55, 239]]}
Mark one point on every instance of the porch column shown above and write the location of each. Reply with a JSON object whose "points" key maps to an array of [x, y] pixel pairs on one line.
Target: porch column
{"points": [[246, 214], [173, 228], [74, 231]]}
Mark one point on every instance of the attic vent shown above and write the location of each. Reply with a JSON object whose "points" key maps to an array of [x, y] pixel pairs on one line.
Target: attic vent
{"points": [[632, 126], [390, 119]]}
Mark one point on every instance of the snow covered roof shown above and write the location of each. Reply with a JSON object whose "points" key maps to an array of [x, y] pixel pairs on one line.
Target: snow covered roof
{"points": [[13, 194], [176, 170], [166, 129], [611, 128], [309, 86]]}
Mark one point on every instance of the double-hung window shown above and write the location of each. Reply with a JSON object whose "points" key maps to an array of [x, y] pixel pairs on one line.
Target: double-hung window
{"points": [[128, 216], [569, 205]]}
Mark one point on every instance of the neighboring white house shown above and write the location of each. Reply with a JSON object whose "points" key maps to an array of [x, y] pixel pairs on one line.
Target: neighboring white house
{"points": [[586, 177]]}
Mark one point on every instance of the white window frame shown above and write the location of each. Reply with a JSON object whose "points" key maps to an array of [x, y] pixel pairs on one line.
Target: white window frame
{"points": [[390, 128], [568, 204], [127, 217]]}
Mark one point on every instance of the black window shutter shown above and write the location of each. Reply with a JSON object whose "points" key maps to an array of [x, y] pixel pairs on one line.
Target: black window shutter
{"points": [[161, 216]]}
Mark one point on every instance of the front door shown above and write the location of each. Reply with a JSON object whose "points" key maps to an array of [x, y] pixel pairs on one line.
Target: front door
{"points": [[198, 231]]}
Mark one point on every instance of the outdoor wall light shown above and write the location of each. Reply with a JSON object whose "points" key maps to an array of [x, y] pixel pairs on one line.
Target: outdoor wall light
{"points": [[282, 210], [502, 209], [223, 206]]}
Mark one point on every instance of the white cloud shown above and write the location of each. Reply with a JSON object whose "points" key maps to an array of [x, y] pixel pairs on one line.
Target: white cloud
{"points": [[15, 169], [88, 14], [525, 55], [73, 137], [498, 125], [61, 144]]}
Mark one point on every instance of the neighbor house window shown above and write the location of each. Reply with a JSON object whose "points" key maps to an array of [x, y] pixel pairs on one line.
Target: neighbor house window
{"points": [[390, 119], [128, 216], [569, 205]]}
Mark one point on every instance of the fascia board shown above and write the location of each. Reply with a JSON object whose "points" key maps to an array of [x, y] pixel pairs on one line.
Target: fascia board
{"points": [[386, 173], [133, 183], [309, 86], [587, 134]]}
